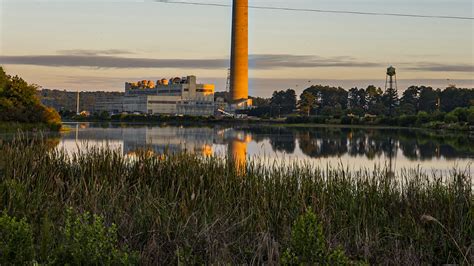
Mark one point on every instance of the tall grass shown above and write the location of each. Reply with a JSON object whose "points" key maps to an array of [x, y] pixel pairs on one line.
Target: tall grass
{"points": [[204, 210]]}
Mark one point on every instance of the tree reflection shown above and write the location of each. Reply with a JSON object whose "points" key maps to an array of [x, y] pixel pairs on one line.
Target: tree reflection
{"points": [[370, 143]]}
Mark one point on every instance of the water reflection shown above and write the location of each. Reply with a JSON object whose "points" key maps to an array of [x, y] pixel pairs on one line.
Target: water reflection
{"points": [[357, 147]]}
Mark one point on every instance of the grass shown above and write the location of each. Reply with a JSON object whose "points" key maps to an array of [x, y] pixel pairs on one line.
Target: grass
{"points": [[13, 127], [182, 207]]}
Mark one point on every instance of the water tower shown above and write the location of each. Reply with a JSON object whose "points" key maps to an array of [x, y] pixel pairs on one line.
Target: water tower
{"points": [[391, 79]]}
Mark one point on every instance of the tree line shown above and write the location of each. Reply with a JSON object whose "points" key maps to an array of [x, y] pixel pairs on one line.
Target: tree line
{"points": [[451, 104]]}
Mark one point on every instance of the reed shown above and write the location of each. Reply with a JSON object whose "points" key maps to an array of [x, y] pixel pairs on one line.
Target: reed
{"points": [[183, 207]]}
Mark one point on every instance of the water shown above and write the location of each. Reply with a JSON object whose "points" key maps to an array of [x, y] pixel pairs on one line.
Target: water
{"points": [[354, 148]]}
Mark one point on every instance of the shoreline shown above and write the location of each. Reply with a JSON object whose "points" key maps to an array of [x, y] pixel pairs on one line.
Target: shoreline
{"points": [[265, 123]]}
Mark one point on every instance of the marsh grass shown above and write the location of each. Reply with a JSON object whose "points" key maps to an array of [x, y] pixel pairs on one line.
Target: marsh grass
{"points": [[191, 209]]}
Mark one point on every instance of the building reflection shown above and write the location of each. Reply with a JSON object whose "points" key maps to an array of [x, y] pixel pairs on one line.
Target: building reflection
{"points": [[166, 140]]}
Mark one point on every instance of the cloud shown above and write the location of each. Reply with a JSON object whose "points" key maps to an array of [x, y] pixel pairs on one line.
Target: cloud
{"points": [[112, 59], [109, 59], [268, 61], [87, 52], [101, 61], [434, 67]]}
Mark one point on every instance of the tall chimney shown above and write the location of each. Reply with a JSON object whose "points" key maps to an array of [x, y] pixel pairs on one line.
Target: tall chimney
{"points": [[239, 61]]}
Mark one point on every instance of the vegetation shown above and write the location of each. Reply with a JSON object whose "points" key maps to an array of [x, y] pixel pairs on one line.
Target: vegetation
{"points": [[19, 104], [308, 245], [422, 106], [81, 240], [458, 119], [187, 209]]}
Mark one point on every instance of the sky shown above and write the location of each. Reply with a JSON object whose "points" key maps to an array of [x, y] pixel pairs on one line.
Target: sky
{"points": [[101, 44]]}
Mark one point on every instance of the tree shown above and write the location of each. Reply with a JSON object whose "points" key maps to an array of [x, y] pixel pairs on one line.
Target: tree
{"points": [[452, 97], [411, 96], [328, 97], [357, 101], [428, 99], [390, 100], [284, 101], [19, 103], [307, 103], [409, 102], [374, 100], [260, 102]]}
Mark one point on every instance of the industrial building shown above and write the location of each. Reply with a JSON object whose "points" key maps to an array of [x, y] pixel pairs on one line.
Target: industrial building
{"points": [[175, 96]]}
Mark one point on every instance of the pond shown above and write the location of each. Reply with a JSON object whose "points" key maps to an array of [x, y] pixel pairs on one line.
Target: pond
{"points": [[352, 148]]}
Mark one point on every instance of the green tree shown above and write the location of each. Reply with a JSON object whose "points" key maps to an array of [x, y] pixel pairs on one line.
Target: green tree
{"points": [[374, 100], [452, 97], [19, 103], [428, 99], [307, 103], [284, 102], [357, 101], [390, 100]]}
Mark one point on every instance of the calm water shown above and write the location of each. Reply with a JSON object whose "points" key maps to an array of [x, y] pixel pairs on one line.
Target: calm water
{"points": [[352, 148]]}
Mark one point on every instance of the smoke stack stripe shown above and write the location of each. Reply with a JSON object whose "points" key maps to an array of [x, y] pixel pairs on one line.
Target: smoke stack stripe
{"points": [[239, 52]]}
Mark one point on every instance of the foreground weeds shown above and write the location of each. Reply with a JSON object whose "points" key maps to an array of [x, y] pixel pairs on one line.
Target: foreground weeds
{"points": [[188, 209]]}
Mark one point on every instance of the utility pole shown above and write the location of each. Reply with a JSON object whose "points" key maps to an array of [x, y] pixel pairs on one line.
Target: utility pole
{"points": [[77, 103]]}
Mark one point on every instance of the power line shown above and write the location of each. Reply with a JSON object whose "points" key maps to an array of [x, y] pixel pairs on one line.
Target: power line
{"points": [[320, 10]]}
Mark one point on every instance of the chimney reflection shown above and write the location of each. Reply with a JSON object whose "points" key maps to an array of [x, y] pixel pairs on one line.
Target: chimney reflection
{"points": [[237, 149]]}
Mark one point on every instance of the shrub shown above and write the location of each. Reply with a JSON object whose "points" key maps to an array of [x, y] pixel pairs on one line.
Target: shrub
{"points": [[308, 245], [451, 118], [422, 118], [470, 118], [319, 119], [346, 120], [87, 240], [461, 114], [407, 120], [16, 241]]}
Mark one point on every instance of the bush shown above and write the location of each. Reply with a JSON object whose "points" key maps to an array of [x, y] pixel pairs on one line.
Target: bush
{"points": [[451, 118], [86, 240], [438, 116], [308, 245], [461, 114], [346, 120], [407, 120], [297, 120], [470, 117], [422, 118], [16, 241], [319, 119]]}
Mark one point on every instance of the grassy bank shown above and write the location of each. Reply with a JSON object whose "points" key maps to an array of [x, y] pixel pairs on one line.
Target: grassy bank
{"points": [[183, 208], [13, 127]]}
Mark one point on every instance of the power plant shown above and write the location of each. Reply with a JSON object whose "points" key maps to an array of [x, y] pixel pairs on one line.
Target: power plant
{"points": [[183, 96], [239, 61]]}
